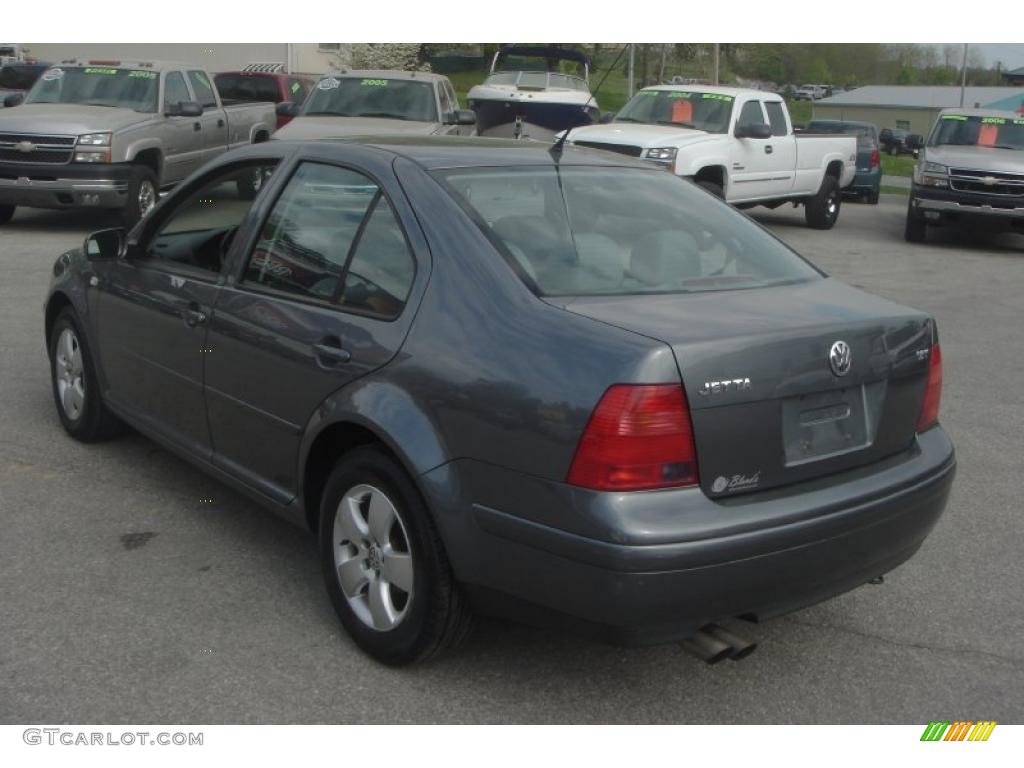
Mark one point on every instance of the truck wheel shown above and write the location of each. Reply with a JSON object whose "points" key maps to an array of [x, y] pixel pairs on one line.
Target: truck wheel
{"points": [[143, 193], [6, 213], [914, 231], [384, 564], [714, 189], [822, 210]]}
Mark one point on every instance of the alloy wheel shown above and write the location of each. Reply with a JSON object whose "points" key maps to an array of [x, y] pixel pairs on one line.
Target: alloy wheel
{"points": [[147, 197], [69, 374], [372, 558]]}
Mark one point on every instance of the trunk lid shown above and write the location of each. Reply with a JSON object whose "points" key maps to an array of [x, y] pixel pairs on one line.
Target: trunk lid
{"points": [[766, 405]]}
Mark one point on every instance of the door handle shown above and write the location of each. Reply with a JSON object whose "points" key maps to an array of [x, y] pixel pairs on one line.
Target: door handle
{"points": [[197, 126], [220, 123], [193, 315], [329, 353], [768, 149]]}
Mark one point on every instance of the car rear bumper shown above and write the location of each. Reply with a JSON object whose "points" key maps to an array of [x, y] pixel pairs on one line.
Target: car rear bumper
{"points": [[813, 542], [950, 204], [100, 185], [866, 181]]}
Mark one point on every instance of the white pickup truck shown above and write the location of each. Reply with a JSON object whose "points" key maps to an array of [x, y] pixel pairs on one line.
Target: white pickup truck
{"points": [[738, 144]]}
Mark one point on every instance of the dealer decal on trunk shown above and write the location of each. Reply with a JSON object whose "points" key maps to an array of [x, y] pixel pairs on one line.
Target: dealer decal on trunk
{"points": [[736, 482]]}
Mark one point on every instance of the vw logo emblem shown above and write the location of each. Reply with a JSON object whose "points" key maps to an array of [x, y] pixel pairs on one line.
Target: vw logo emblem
{"points": [[24, 146], [840, 358]]}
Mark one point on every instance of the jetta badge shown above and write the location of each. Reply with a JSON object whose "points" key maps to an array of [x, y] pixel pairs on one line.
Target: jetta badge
{"points": [[840, 358]]}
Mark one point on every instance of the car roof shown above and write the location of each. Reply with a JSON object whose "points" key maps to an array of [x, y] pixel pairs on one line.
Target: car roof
{"points": [[153, 64], [980, 113], [723, 90], [448, 152]]}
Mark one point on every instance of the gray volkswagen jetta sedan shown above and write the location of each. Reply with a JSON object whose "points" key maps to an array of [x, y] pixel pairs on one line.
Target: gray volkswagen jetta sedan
{"points": [[565, 388]]}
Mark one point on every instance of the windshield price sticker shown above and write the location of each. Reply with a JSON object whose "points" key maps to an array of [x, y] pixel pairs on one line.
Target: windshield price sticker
{"points": [[680, 95], [100, 71], [143, 74], [719, 96], [993, 121], [53, 74], [295, 87], [953, 117], [328, 84], [374, 83], [1018, 122]]}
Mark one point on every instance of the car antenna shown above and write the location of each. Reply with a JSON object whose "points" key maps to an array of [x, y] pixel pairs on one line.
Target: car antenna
{"points": [[556, 149]]}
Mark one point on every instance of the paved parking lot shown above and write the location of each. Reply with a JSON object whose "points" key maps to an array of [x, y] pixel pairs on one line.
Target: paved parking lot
{"points": [[125, 599]]}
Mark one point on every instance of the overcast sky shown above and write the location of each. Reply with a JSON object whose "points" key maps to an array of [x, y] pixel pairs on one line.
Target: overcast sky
{"points": [[1011, 54]]}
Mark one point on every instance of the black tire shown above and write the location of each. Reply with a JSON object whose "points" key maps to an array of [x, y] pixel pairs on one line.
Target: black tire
{"points": [[822, 210], [6, 213], [436, 616], [713, 188], [872, 197], [915, 229], [92, 421], [141, 182]]}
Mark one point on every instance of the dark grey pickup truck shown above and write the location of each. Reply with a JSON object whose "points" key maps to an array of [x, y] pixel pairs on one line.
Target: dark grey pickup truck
{"points": [[112, 134]]}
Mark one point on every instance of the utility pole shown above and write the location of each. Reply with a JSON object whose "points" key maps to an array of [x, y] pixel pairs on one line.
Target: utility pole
{"points": [[629, 85], [963, 76], [715, 81]]}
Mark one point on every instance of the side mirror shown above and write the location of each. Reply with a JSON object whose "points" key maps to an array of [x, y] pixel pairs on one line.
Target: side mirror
{"points": [[287, 109], [184, 109], [915, 141], [755, 131], [606, 117], [105, 245], [463, 117], [13, 99]]}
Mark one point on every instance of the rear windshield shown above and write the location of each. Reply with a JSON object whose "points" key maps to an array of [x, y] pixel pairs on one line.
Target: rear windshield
{"points": [[247, 88], [373, 97], [616, 231], [98, 86], [19, 78], [977, 131], [708, 112]]}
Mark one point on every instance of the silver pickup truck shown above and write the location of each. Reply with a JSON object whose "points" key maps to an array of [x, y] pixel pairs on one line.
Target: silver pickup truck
{"points": [[971, 169], [112, 134]]}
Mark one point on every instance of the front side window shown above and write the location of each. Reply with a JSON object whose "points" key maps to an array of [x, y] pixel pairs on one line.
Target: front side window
{"points": [[97, 86], [750, 115], [709, 112], [615, 231], [203, 89], [373, 97], [198, 232], [175, 91]]}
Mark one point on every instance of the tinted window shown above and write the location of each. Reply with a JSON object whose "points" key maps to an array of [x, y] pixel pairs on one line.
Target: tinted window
{"points": [[175, 90], [373, 97], [969, 131], [579, 231], [751, 114], [198, 231], [247, 88], [19, 78], [776, 117], [203, 89], [381, 271], [306, 240], [297, 91]]}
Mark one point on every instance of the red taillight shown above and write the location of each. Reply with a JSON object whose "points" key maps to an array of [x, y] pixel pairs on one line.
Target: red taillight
{"points": [[638, 438], [932, 391], [876, 159]]}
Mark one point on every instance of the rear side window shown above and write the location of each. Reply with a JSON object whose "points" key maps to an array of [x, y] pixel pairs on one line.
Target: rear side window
{"points": [[776, 117], [175, 90], [333, 237], [203, 89]]}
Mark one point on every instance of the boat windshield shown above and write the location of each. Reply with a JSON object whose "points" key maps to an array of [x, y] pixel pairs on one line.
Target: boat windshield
{"points": [[538, 80]]}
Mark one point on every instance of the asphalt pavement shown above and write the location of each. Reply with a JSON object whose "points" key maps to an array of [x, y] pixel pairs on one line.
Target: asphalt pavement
{"points": [[126, 599]]}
